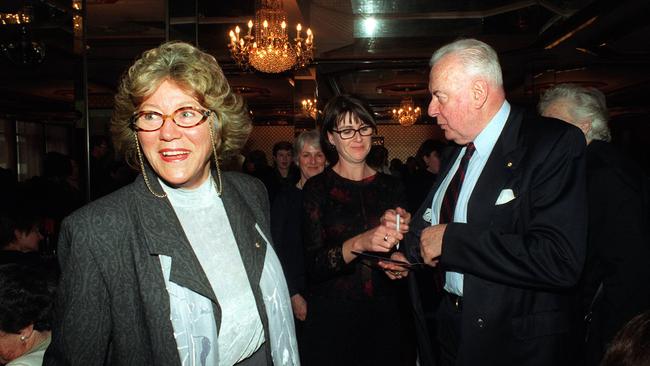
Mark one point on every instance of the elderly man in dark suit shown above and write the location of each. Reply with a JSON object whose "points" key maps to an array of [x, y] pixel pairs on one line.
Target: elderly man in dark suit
{"points": [[614, 286], [506, 220]]}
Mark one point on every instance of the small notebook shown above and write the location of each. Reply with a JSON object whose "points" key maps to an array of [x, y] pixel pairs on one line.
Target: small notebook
{"points": [[375, 257]]}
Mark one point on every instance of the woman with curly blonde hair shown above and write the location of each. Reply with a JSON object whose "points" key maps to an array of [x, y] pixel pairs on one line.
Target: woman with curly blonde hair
{"points": [[176, 268]]}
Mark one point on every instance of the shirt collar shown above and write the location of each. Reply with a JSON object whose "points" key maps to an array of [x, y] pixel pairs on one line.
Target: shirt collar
{"points": [[486, 140]]}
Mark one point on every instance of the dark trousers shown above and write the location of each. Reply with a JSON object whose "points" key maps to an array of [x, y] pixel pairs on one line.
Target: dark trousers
{"points": [[371, 332], [449, 329]]}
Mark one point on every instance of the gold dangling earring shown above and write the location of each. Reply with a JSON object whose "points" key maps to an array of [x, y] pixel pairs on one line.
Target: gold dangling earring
{"points": [[144, 172], [219, 188]]}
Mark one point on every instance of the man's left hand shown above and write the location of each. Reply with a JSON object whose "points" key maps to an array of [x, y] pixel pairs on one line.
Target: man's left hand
{"points": [[431, 244]]}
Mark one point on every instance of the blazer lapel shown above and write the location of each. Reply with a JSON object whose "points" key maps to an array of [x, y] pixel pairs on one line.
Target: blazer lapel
{"points": [[499, 170], [163, 234], [242, 221], [252, 246]]}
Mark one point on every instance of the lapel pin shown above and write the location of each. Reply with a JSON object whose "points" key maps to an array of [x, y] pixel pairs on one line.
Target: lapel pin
{"points": [[509, 164], [257, 244]]}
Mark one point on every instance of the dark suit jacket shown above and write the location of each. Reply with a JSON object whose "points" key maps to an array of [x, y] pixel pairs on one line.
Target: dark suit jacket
{"points": [[112, 305], [286, 228], [618, 254], [519, 258]]}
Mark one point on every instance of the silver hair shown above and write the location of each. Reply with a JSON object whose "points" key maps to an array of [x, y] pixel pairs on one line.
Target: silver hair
{"points": [[478, 58], [311, 137], [583, 104]]}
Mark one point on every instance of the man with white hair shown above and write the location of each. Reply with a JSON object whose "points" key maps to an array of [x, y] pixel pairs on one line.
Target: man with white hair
{"points": [[506, 220], [615, 284]]}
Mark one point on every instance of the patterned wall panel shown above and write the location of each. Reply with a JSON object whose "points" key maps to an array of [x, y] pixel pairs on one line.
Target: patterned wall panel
{"points": [[401, 142], [264, 137]]}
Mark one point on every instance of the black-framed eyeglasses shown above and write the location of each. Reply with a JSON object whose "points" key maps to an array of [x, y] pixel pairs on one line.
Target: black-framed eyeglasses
{"points": [[186, 117], [348, 133]]}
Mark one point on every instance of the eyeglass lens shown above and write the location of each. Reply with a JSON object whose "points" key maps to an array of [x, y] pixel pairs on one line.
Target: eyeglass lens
{"points": [[348, 133], [184, 117]]}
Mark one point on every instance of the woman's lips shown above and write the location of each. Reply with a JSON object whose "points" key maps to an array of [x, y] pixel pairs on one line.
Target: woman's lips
{"points": [[172, 155]]}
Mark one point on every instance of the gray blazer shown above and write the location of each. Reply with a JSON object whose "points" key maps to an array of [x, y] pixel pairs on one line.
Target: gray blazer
{"points": [[112, 305]]}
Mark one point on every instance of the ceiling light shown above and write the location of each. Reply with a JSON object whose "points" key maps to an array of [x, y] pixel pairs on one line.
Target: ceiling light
{"points": [[407, 113], [268, 48], [14, 18], [369, 26], [310, 108]]}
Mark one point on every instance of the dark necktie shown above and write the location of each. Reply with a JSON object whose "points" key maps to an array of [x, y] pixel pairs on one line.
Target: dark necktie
{"points": [[451, 194], [448, 207]]}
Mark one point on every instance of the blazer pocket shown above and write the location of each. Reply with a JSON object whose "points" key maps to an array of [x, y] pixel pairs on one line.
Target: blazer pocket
{"points": [[540, 325], [503, 215], [505, 196]]}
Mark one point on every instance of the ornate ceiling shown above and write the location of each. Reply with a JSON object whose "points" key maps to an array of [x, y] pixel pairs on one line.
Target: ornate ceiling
{"points": [[378, 49]]}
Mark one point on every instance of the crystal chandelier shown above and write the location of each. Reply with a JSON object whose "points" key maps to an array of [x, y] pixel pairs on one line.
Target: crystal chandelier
{"points": [[407, 114], [268, 48], [309, 108]]}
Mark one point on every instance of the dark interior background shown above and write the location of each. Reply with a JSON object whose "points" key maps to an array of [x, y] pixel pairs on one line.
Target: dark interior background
{"points": [[599, 43]]}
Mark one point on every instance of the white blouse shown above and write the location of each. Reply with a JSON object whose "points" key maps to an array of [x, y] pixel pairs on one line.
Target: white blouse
{"points": [[206, 225]]}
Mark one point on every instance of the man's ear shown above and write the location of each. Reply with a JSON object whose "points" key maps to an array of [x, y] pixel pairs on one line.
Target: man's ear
{"points": [[480, 91]]}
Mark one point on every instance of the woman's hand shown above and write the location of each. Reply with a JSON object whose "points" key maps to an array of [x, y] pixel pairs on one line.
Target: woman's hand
{"points": [[393, 270], [381, 238], [378, 239], [389, 219], [299, 306]]}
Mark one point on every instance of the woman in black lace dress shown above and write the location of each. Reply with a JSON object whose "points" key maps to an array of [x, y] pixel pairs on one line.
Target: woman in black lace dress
{"points": [[357, 315]]}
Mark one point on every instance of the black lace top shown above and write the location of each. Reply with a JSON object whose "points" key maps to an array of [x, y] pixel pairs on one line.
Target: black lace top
{"points": [[336, 209]]}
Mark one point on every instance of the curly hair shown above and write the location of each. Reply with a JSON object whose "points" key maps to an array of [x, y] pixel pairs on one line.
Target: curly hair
{"points": [[26, 298], [194, 71], [582, 104]]}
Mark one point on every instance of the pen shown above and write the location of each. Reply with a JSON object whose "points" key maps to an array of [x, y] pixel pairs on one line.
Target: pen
{"points": [[397, 228]]}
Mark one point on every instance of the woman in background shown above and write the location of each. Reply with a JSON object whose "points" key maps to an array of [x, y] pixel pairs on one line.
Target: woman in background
{"points": [[357, 316], [20, 233], [25, 309], [286, 225], [631, 345], [286, 215], [419, 183]]}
